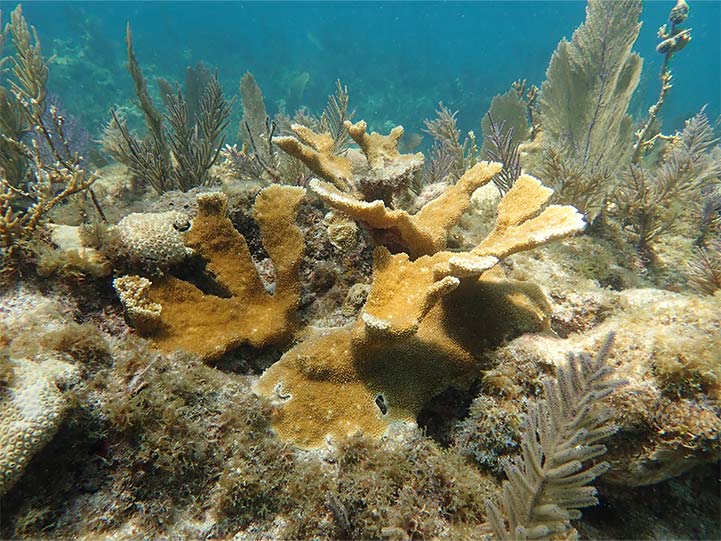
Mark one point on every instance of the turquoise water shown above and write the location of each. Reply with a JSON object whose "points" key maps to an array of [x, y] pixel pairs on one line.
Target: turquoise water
{"points": [[397, 59]]}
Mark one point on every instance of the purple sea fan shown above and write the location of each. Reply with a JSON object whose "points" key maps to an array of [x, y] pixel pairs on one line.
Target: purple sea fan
{"points": [[69, 137]]}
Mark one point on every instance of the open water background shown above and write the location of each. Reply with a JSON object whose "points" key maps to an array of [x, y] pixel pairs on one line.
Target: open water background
{"points": [[398, 59]]}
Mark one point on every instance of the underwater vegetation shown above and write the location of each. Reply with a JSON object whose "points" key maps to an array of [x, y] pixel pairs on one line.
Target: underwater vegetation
{"points": [[39, 169], [303, 328]]}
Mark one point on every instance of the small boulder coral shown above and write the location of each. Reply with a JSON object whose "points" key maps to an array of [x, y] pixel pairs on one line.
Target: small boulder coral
{"points": [[153, 239], [32, 408]]}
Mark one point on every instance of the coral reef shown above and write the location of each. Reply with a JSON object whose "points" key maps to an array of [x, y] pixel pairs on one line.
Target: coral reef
{"points": [[315, 150], [255, 128], [389, 172], [705, 269], [258, 157], [144, 314], [423, 233], [665, 349], [505, 127], [584, 102], [589, 84], [179, 315], [34, 376], [391, 350], [448, 159], [503, 148], [424, 323], [673, 40], [69, 256], [651, 202]]}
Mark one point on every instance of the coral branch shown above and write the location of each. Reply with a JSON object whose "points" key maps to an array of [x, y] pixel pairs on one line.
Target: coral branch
{"points": [[419, 234], [428, 315], [209, 325]]}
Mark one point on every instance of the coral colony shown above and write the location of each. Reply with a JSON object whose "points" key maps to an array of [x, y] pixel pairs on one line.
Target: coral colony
{"points": [[316, 330]]}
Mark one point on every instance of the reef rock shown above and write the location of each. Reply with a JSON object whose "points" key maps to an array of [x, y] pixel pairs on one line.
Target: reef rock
{"points": [[667, 349]]}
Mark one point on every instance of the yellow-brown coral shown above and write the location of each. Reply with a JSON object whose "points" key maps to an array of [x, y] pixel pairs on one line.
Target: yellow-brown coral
{"points": [[424, 324], [316, 151], [419, 234], [363, 378], [376, 171], [383, 172], [210, 325]]}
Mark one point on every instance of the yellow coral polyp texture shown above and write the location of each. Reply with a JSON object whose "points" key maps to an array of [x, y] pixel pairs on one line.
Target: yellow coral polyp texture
{"points": [[316, 151], [210, 325], [426, 320], [377, 170]]}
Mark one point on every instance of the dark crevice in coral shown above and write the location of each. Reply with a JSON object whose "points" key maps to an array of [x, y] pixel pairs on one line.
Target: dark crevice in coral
{"points": [[241, 216], [249, 360], [440, 416], [194, 271], [381, 403], [619, 516]]}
